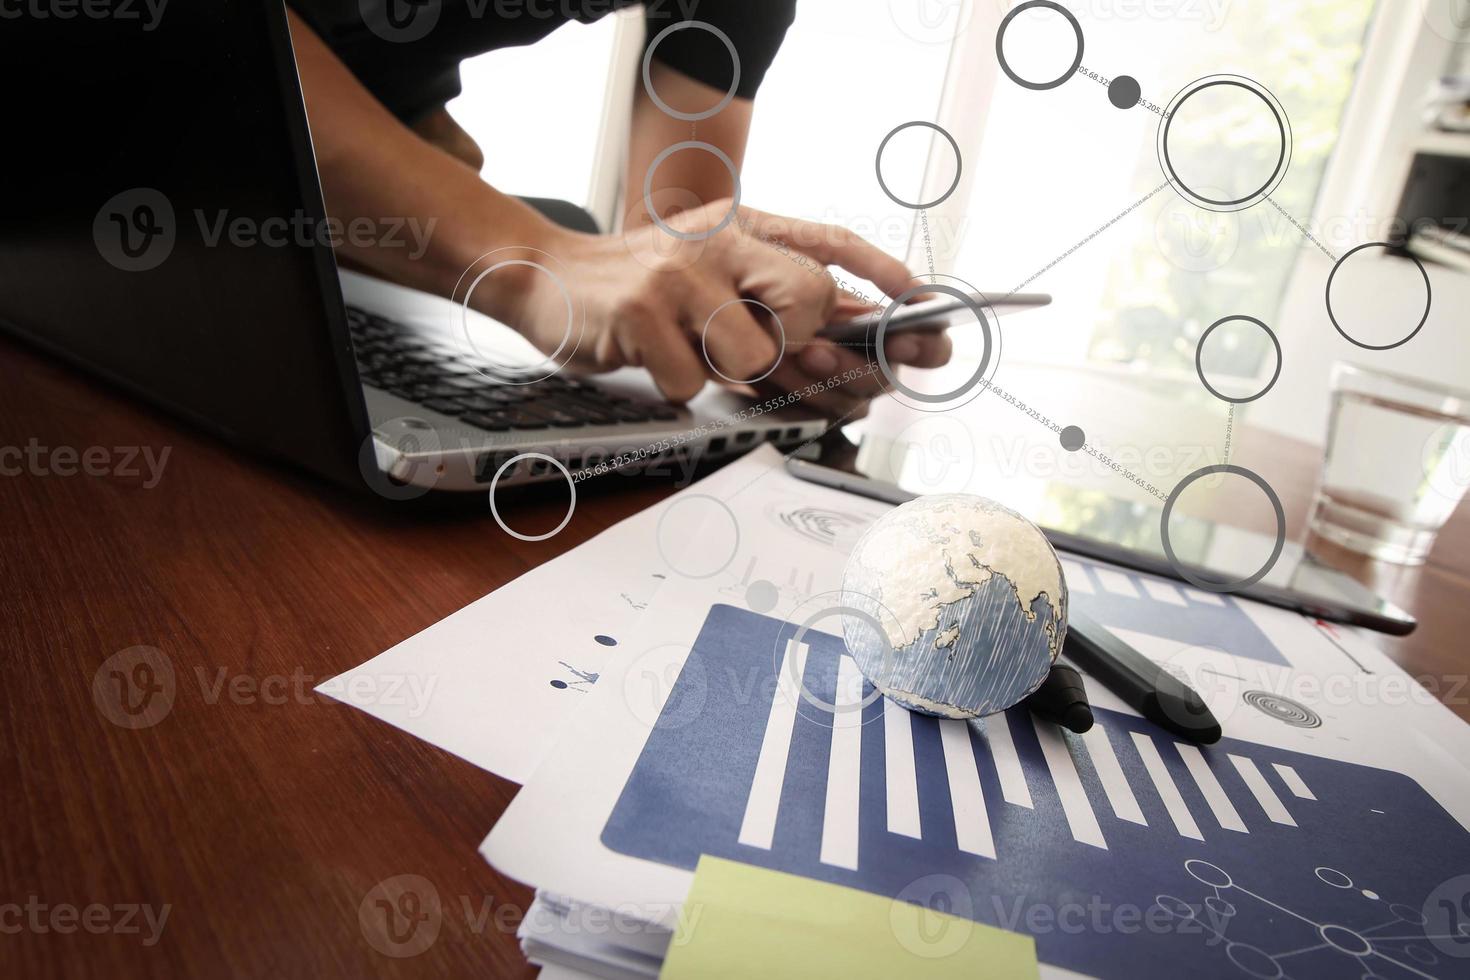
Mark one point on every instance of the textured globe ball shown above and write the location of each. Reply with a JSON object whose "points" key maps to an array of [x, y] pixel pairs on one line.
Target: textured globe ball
{"points": [[971, 601]]}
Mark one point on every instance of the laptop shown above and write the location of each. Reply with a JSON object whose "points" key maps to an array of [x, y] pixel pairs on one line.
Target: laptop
{"points": [[156, 240], [164, 232]]}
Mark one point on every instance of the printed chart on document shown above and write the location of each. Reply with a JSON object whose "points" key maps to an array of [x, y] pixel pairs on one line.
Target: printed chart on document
{"points": [[1285, 864], [1123, 850]]}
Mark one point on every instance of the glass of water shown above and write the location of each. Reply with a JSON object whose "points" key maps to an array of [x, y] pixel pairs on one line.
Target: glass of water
{"points": [[1398, 463]]}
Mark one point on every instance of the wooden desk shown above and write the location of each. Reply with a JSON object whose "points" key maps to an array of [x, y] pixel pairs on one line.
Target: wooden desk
{"points": [[261, 815]]}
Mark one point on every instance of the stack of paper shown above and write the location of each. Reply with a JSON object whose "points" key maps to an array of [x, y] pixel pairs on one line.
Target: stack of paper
{"points": [[729, 797]]}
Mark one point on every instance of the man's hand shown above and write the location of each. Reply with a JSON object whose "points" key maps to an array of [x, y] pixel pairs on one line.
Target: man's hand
{"points": [[650, 300]]}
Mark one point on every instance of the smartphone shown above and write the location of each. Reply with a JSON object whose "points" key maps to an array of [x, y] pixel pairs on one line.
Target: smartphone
{"points": [[941, 313], [1297, 582]]}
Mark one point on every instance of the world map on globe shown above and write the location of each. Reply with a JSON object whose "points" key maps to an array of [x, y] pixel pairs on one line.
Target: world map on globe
{"points": [[957, 605]]}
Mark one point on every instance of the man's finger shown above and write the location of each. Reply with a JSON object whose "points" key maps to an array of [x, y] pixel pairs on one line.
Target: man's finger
{"points": [[737, 344], [836, 403], [833, 245], [660, 346], [934, 349]]}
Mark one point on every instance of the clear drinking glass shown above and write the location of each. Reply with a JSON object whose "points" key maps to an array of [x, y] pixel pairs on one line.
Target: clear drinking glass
{"points": [[1398, 463]]}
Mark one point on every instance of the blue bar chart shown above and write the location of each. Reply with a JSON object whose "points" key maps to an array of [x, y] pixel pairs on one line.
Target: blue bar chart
{"points": [[1120, 850]]}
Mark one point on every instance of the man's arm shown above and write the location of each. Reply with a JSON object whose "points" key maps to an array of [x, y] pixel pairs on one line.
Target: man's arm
{"points": [[373, 166], [693, 178], [642, 296], [690, 178]]}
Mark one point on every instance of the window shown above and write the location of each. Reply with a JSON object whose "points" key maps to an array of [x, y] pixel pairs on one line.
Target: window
{"points": [[537, 111], [1057, 165]]}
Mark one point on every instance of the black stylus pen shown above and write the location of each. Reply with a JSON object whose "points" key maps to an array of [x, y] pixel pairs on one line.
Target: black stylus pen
{"points": [[1142, 684]]}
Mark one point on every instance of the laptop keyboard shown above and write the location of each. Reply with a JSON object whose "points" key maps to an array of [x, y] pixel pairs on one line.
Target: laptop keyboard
{"points": [[444, 379]]}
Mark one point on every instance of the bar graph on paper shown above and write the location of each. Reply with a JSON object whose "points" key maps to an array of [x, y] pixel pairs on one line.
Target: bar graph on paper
{"points": [[1124, 599], [1122, 851]]}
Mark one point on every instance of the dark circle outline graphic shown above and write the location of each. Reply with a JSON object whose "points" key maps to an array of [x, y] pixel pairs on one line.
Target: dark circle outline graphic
{"points": [[464, 311], [1409, 914], [1417, 953], [664, 154], [464, 321], [704, 340], [1322, 931], [1203, 583], [1282, 708], [841, 610], [1199, 349], [1000, 54], [1175, 913], [658, 541], [1283, 125], [1233, 957], [571, 506], [1229, 882], [383, 483], [1428, 299], [959, 161], [734, 73], [900, 300]]}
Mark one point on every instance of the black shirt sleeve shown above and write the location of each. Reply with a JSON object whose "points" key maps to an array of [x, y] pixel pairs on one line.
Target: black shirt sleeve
{"points": [[755, 28], [407, 52]]}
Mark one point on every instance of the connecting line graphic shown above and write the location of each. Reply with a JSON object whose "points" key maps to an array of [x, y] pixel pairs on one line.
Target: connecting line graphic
{"points": [[1088, 448], [1119, 217], [1298, 226], [1105, 82], [787, 456], [611, 465], [1229, 432], [928, 243], [1361, 945]]}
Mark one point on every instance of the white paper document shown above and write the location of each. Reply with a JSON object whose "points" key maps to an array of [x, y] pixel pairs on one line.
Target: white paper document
{"points": [[720, 727], [496, 681]]}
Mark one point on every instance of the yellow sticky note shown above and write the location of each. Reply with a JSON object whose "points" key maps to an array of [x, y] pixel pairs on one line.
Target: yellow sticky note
{"points": [[744, 921]]}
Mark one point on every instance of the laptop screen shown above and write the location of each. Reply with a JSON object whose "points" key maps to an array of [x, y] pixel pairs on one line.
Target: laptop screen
{"points": [[160, 198]]}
